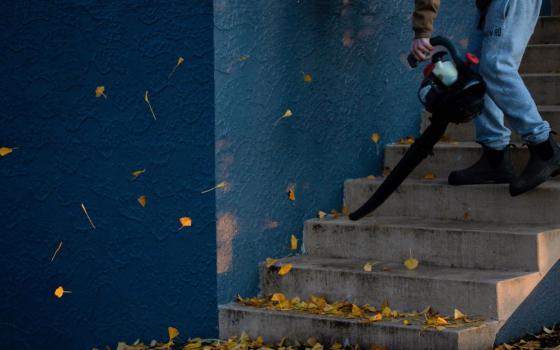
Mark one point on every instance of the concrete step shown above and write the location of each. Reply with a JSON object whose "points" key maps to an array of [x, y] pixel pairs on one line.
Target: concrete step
{"points": [[494, 294], [547, 30], [449, 156], [274, 325], [438, 200], [544, 58], [447, 243], [466, 132], [544, 87]]}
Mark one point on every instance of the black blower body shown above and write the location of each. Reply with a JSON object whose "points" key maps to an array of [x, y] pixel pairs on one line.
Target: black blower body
{"points": [[458, 102]]}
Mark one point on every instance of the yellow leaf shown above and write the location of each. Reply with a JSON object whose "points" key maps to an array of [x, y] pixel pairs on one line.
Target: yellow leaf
{"points": [[100, 91], [218, 186], [411, 263], [307, 78], [376, 318], [278, 297], [173, 333], [429, 176], [409, 140], [4, 151], [357, 311], [335, 214], [386, 311], [142, 200], [336, 346], [406, 322], [321, 214], [185, 222], [180, 61], [345, 211], [137, 173], [440, 321], [59, 292], [244, 57], [147, 100], [317, 346], [376, 137], [371, 177], [368, 267], [285, 269], [458, 315], [270, 262], [294, 242], [292, 195]]}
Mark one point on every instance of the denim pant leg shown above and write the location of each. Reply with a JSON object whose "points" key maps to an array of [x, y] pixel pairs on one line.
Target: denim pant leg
{"points": [[490, 128], [507, 31]]}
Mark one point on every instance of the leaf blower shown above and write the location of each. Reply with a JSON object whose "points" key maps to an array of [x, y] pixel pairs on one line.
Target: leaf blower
{"points": [[453, 92]]}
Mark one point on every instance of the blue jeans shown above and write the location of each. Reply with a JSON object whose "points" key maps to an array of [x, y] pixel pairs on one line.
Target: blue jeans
{"points": [[500, 45]]}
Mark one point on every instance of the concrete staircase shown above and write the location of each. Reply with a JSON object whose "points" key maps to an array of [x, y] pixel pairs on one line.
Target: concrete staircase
{"points": [[480, 251]]}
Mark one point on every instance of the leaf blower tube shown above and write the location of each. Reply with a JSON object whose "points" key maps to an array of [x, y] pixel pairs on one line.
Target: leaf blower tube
{"points": [[454, 93]]}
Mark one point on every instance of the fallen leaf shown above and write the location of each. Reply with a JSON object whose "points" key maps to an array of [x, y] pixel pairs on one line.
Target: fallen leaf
{"points": [[286, 115], [440, 321], [100, 91], [270, 262], [411, 263], [466, 216], [335, 214], [180, 61], [278, 297], [409, 140], [371, 177], [87, 215], [368, 267], [292, 195], [284, 269], [173, 333], [4, 151], [59, 247], [137, 173], [185, 222], [386, 171], [406, 322], [376, 137], [294, 242], [147, 100], [59, 292], [307, 78], [142, 200], [218, 186], [429, 176], [357, 311], [377, 317], [458, 315], [345, 211]]}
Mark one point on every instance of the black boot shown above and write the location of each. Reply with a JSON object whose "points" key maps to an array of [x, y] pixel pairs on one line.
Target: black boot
{"points": [[494, 167], [544, 164]]}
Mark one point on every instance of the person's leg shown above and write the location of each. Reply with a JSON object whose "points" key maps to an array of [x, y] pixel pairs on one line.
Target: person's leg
{"points": [[495, 165], [507, 31]]}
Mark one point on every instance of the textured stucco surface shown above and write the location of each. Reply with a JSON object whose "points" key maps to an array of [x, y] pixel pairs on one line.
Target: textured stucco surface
{"points": [[135, 274], [355, 52]]}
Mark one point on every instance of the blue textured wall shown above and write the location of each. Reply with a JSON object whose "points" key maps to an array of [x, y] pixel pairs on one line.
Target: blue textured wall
{"points": [[135, 274], [355, 52]]}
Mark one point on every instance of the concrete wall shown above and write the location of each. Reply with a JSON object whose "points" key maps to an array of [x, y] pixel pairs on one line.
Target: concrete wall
{"points": [[355, 52], [135, 274]]}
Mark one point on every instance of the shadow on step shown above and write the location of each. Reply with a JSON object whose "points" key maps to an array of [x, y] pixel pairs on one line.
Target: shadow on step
{"points": [[540, 309]]}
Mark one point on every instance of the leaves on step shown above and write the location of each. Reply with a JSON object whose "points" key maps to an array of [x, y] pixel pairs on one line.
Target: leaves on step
{"points": [[411, 263], [549, 338], [429, 176], [285, 269], [409, 140]]}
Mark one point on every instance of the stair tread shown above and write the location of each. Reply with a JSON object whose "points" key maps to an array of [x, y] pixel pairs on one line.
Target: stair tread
{"points": [[533, 75], [349, 321], [550, 185], [439, 224], [425, 272]]}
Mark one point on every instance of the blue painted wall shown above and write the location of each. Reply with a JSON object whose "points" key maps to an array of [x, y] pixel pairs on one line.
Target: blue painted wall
{"points": [[355, 52], [135, 274]]}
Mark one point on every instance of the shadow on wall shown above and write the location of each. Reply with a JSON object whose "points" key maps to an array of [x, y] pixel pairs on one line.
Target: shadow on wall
{"points": [[536, 311]]}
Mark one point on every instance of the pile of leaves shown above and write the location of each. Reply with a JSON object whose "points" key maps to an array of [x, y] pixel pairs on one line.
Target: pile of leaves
{"points": [[427, 318], [549, 339]]}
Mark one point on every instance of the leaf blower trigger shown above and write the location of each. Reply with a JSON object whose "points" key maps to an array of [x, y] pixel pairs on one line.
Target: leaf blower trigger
{"points": [[453, 92]]}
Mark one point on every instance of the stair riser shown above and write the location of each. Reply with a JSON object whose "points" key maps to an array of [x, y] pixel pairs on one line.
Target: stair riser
{"points": [[272, 326], [466, 132], [547, 31], [541, 59], [404, 293], [441, 247], [441, 201], [447, 159], [544, 88]]}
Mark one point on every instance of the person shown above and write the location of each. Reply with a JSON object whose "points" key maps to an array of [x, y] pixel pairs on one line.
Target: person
{"points": [[500, 39]]}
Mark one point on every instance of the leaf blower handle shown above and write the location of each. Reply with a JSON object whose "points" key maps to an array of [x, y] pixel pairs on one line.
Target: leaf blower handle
{"points": [[439, 41]]}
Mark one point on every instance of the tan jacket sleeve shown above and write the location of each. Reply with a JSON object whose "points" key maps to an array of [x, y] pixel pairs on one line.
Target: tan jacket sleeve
{"points": [[425, 12]]}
